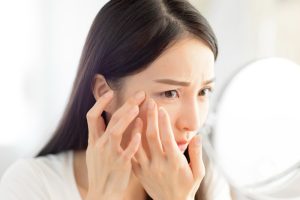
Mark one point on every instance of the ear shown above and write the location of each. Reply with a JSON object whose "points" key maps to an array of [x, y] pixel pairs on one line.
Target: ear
{"points": [[99, 86]]}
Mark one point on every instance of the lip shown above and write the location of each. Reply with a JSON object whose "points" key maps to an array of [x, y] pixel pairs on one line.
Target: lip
{"points": [[182, 145]]}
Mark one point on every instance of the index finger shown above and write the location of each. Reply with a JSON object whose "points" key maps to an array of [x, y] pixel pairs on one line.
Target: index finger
{"points": [[95, 121], [167, 136]]}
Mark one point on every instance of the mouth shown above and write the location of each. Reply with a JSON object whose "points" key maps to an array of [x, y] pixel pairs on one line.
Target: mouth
{"points": [[182, 145]]}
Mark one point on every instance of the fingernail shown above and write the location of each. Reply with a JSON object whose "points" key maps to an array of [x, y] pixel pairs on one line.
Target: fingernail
{"points": [[151, 104], [137, 137], [108, 94], [140, 95]]}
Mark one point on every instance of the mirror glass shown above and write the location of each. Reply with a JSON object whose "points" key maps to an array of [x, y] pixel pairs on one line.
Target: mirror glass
{"points": [[256, 129]]}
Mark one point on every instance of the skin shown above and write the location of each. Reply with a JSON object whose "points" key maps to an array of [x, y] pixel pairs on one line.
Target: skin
{"points": [[185, 109]]}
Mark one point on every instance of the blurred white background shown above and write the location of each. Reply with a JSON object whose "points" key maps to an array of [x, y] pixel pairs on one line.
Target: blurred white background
{"points": [[41, 43]]}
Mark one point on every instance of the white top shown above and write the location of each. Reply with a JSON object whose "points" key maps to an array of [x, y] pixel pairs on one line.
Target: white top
{"points": [[52, 177], [43, 178]]}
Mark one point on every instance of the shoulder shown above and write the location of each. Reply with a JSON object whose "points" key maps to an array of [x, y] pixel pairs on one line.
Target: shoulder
{"points": [[29, 178], [36, 167]]}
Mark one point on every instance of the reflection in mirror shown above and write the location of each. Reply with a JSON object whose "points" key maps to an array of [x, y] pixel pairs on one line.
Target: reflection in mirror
{"points": [[255, 129]]}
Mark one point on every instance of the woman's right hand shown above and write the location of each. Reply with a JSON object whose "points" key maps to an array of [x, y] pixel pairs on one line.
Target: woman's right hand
{"points": [[108, 165]]}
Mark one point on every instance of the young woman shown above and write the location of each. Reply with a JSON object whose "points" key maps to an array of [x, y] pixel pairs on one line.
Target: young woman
{"points": [[139, 97]]}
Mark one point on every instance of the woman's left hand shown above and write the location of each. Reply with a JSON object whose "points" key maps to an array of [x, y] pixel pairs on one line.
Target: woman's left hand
{"points": [[166, 174]]}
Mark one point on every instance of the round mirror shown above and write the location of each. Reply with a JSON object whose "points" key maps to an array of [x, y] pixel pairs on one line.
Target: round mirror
{"points": [[256, 129]]}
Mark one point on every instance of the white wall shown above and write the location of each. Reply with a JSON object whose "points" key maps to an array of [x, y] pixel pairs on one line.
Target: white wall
{"points": [[252, 29], [41, 43]]}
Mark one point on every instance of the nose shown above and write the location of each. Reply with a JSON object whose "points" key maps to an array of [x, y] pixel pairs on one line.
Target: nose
{"points": [[189, 118]]}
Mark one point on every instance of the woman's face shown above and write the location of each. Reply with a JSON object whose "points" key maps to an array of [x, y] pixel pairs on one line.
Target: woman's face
{"points": [[176, 81]]}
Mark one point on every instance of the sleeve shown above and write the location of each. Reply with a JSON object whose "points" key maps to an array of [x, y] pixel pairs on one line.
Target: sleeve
{"points": [[21, 181], [222, 191], [221, 187]]}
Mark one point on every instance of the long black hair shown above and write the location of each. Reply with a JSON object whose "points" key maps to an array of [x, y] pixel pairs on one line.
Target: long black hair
{"points": [[125, 37]]}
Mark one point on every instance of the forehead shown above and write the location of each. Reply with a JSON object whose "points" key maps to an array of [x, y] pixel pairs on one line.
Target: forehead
{"points": [[188, 59]]}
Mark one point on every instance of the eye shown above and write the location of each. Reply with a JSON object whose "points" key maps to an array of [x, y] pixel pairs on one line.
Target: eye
{"points": [[170, 94], [206, 92]]}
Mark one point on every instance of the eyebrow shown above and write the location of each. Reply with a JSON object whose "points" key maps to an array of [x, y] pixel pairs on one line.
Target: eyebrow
{"points": [[182, 83]]}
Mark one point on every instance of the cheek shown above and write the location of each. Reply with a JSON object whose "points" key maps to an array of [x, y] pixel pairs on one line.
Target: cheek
{"points": [[203, 113], [204, 108]]}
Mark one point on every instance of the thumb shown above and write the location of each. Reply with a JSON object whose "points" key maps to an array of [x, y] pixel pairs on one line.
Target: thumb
{"points": [[195, 154]]}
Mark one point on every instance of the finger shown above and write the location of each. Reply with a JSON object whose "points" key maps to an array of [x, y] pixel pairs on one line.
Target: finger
{"points": [[122, 118], [152, 132], [138, 126], [96, 125], [195, 154], [140, 156], [136, 100], [132, 148], [115, 133], [136, 168], [167, 137]]}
